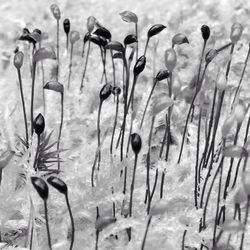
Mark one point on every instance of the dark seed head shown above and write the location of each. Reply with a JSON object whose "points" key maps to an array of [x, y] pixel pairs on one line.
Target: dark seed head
{"points": [[41, 187], [140, 65], [66, 25], [55, 11], [130, 39], [58, 184], [136, 143], [205, 32], [116, 90], [98, 40], [105, 92], [162, 74], [155, 29], [39, 124], [103, 32]]}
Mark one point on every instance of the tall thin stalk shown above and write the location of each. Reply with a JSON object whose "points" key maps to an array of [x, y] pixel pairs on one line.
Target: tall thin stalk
{"points": [[85, 66], [146, 232], [23, 105], [60, 132], [32, 96], [47, 223], [70, 64]]}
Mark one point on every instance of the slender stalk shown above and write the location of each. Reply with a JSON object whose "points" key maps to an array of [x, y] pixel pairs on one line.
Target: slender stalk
{"points": [[32, 96], [98, 133], [199, 72], [162, 183], [148, 158], [23, 105], [85, 66], [245, 223], [137, 44], [146, 233], [67, 41], [203, 226], [189, 112], [57, 48], [70, 64], [47, 224], [150, 196], [132, 187], [113, 67], [35, 167], [146, 46], [183, 240], [43, 81], [72, 222], [197, 161], [241, 77], [239, 161], [164, 137], [125, 181], [125, 95], [96, 239], [218, 200], [60, 132], [149, 97], [169, 117], [115, 123]]}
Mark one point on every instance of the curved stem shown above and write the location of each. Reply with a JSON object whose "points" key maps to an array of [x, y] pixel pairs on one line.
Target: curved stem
{"points": [[183, 240], [146, 46], [115, 123], [47, 224], [146, 233], [165, 136], [189, 112], [149, 97], [137, 46], [98, 134], [132, 187], [32, 96], [59, 134], [35, 167], [72, 221], [23, 104], [85, 66], [57, 48], [70, 64]]}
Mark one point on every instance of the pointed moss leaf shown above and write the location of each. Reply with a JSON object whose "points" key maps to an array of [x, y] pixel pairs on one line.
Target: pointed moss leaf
{"points": [[170, 59], [41, 187], [74, 36], [159, 106], [55, 86], [5, 158], [159, 208], [58, 184], [129, 16], [233, 226], [44, 53], [234, 151], [179, 39], [155, 29], [103, 32], [129, 39], [104, 221], [114, 45]]}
